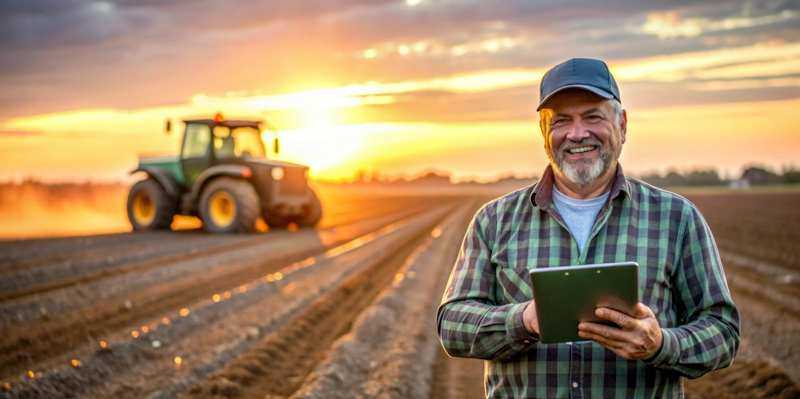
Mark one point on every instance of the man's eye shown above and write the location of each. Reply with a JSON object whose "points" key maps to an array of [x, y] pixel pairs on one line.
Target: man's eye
{"points": [[594, 118], [558, 122]]}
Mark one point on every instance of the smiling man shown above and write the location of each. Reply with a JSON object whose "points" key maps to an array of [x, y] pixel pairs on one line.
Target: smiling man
{"points": [[585, 210]]}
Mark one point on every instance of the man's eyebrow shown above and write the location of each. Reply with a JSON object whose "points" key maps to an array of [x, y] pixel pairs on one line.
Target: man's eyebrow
{"points": [[591, 111], [584, 113]]}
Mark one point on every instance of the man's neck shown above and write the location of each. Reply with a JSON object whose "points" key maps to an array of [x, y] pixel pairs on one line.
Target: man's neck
{"points": [[594, 189]]}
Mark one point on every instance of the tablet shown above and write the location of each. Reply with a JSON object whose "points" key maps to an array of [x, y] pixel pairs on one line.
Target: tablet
{"points": [[567, 295]]}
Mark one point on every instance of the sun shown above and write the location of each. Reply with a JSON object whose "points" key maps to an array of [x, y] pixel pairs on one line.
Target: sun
{"points": [[318, 116], [323, 147], [320, 140]]}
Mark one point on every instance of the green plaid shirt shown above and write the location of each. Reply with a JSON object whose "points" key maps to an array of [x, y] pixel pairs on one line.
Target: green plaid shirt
{"points": [[680, 277]]}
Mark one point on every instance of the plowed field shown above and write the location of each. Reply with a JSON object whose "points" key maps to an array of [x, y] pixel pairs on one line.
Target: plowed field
{"points": [[342, 311]]}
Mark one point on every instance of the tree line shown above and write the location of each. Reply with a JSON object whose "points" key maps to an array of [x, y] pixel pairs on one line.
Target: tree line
{"points": [[751, 175]]}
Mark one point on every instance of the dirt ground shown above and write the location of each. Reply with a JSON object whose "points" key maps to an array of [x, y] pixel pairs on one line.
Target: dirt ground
{"points": [[339, 312]]}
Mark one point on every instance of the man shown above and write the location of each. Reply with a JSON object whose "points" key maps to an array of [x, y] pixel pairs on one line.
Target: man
{"points": [[585, 210]]}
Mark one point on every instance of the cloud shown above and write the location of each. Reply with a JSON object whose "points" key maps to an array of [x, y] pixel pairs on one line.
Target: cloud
{"points": [[776, 65], [436, 48], [36, 28], [670, 24], [763, 71], [746, 84], [55, 23], [129, 54]]}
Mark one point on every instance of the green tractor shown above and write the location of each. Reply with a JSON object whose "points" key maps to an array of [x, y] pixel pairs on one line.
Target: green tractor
{"points": [[223, 176]]}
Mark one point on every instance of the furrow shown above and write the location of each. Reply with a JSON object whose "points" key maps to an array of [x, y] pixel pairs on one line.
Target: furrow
{"points": [[23, 348]]}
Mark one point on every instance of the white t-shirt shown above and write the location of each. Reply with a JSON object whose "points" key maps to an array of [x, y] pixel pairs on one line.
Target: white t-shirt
{"points": [[578, 214]]}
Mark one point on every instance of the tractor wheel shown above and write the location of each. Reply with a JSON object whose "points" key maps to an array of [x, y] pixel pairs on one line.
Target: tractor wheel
{"points": [[229, 205], [149, 206], [277, 218], [312, 212]]}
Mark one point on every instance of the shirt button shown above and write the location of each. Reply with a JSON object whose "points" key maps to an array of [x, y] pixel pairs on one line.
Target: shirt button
{"points": [[574, 384]]}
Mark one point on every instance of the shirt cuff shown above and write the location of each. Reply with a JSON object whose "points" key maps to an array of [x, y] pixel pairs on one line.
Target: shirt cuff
{"points": [[669, 352], [515, 328]]}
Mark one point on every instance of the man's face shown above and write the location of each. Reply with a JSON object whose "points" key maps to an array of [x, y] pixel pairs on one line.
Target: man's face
{"points": [[583, 135]]}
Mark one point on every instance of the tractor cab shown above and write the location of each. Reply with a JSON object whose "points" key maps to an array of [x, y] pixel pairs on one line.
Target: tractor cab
{"points": [[209, 142]]}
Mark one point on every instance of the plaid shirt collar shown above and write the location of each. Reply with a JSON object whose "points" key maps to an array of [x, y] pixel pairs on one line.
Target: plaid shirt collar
{"points": [[542, 196]]}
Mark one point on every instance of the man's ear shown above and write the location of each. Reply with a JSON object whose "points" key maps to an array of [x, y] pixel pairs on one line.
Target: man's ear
{"points": [[544, 126], [544, 120], [623, 124]]}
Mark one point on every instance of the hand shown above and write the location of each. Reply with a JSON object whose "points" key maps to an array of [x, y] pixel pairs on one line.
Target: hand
{"points": [[638, 335], [530, 319]]}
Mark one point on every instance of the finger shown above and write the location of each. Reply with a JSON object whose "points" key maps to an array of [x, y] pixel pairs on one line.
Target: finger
{"points": [[618, 348], [621, 349], [605, 331], [616, 317], [606, 342], [642, 311]]}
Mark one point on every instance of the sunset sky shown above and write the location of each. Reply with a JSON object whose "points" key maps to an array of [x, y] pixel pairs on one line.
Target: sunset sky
{"points": [[395, 87]]}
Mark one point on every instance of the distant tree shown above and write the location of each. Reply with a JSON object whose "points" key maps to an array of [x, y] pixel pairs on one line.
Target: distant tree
{"points": [[674, 178], [376, 177], [653, 178], [791, 174], [707, 177], [362, 176], [697, 177], [433, 177]]}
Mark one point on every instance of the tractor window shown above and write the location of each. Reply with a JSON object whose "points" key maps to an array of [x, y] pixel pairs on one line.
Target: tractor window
{"points": [[223, 142], [196, 141], [241, 142]]}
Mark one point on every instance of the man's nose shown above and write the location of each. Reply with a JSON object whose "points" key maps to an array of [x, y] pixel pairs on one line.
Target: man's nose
{"points": [[577, 132]]}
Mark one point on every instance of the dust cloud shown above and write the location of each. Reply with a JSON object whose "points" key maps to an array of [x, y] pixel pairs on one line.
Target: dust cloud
{"points": [[32, 209]]}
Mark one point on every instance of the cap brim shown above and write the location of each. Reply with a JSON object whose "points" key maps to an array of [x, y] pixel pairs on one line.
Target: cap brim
{"points": [[595, 90]]}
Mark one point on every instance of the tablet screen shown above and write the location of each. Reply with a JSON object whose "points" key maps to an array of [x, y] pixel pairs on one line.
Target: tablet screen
{"points": [[567, 295]]}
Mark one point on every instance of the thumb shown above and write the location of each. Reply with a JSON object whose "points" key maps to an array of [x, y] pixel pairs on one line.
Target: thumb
{"points": [[641, 311]]}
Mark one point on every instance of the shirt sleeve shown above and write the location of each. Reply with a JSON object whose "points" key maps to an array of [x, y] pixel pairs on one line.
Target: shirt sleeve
{"points": [[707, 336], [470, 322]]}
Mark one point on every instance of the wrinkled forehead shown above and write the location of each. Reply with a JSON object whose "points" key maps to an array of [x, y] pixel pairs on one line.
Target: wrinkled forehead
{"points": [[575, 101]]}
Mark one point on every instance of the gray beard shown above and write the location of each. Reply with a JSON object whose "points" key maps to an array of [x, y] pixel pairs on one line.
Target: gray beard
{"points": [[583, 176]]}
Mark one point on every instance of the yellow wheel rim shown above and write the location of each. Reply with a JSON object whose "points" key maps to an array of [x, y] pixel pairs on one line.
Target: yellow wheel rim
{"points": [[144, 211], [222, 208]]}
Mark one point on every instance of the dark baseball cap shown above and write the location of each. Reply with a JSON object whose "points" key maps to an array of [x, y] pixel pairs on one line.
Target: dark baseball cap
{"points": [[578, 73]]}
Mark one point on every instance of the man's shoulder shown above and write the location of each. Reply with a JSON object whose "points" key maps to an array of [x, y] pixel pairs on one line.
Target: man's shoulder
{"points": [[507, 203], [643, 192]]}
